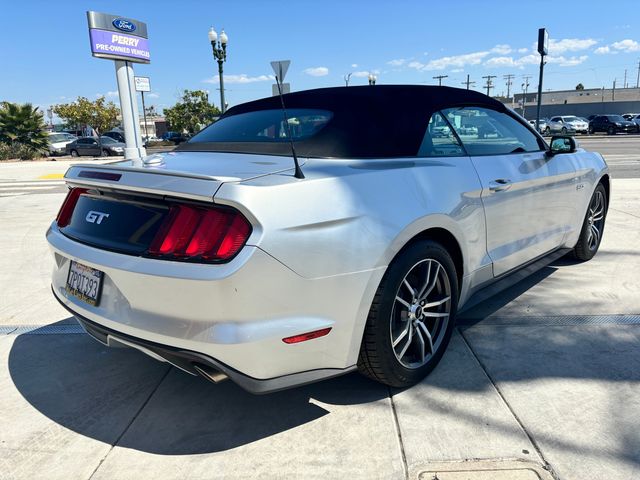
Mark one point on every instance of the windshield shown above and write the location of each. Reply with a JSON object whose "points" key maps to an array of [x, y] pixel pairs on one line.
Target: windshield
{"points": [[57, 137], [616, 118], [265, 126], [571, 119], [107, 140]]}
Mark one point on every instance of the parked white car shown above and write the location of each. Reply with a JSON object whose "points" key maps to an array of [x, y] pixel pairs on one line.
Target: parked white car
{"points": [[567, 124], [58, 143], [224, 260]]}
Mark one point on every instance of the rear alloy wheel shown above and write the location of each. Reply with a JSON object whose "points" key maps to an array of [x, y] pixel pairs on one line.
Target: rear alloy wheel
{"points": [[564, 130], [547, 130], [412, 316], [593, 226], [74, 153], [104, 153], [611, 131]]}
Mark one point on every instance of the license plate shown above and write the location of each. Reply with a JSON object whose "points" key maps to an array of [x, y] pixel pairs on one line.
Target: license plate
{"points": [[84, 283]]}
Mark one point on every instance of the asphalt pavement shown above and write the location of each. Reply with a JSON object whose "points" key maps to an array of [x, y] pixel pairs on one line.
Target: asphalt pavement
{"points": [[541, 381]]}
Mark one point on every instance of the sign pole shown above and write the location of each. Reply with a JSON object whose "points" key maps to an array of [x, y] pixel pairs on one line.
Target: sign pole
{"points": [[144, 116], [129, 108], [543, 49]]}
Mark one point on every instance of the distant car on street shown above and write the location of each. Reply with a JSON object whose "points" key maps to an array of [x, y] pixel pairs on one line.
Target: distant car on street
{"points": [[544, 125], [175, 137], [95, 147], [612, 124], [567, 124], [58, 143], [636, 120], [630, 116], [116, 135]]}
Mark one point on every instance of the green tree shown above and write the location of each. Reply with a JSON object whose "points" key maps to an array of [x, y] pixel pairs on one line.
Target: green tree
{"points": [[192, 112], [579, 87], [22, 129], [101, 115]]}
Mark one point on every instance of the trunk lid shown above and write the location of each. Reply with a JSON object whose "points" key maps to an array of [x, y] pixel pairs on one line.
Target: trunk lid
{"points": [[193, 175]]}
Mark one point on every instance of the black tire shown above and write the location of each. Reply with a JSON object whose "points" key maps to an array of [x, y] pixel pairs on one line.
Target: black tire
{"points": [[104, 153], [547, 131], [564, 130], [591, 131], [74, 153], [586, 248], [611, 131], [378, 360]]}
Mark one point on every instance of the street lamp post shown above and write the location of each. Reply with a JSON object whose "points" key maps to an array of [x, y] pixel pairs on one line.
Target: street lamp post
{"points": [[219, 46]]}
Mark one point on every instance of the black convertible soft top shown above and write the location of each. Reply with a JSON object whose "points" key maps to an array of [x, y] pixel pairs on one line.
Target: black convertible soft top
{"points": [[368, 121]]}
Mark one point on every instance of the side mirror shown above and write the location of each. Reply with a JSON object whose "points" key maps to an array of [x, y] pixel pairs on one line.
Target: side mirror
{"points": [[561, 144]]}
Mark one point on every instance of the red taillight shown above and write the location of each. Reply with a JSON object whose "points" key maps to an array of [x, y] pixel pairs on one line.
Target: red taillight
{"points": [[69, 204], [192, 233], [307, 336]]}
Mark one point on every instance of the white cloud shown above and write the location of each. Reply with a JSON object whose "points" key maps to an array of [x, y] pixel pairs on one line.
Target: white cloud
{"points": [[362, 74], [317, 71], [354, 65], [501, 49], [567, 62], [242, 78], [396, 62], [457, 70], [556, 47], [523, 50], [112, 94], [458, 61], [153, 95], [500, 62], [417, 65], [603, 50], [627, 46]]}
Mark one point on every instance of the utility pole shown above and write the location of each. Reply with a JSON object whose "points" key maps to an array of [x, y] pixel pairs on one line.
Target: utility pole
{"points": [[638, 79], [509, 79], [468, 82], [613, 92], [347, 77], [525, 88], [439, 78], [624, 84], [489, 84]]}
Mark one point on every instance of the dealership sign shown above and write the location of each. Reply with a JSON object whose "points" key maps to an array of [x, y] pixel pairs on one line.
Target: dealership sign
{"points": [[118, 38]]}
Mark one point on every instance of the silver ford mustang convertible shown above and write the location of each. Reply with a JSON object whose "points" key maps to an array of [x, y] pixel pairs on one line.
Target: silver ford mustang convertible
{"points": [[224, 260]]}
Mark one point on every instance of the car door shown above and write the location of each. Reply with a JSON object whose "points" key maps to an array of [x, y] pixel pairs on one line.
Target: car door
{"points": [[556, 124], [529, 198]]}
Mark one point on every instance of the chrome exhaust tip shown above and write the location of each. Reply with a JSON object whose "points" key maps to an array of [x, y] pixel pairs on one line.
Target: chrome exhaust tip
{"points": [[210, 374]]}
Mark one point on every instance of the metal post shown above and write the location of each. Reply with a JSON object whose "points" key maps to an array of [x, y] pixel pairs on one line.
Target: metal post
{"points": [[539, 92], [222, 104], [129, 109], [144, 116], [613, 92]]}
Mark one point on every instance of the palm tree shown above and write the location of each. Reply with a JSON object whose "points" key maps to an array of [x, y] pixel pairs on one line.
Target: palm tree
{"points": [[22, 125]]}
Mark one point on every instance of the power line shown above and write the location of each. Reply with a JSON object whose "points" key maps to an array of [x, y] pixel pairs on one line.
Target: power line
{"points": [[469, 82], [439, 78], [489, 84]]}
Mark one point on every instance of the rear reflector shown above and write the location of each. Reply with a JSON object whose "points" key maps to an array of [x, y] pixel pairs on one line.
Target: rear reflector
{"points": [[307, 336], [66, 210], [196, 233]]}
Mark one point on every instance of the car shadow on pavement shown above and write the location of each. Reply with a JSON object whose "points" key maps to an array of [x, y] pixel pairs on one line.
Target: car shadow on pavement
{"points": [[121, 396]]}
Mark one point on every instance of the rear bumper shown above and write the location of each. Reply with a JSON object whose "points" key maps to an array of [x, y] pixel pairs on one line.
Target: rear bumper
{"points": [[235, 315], [197, 363]]}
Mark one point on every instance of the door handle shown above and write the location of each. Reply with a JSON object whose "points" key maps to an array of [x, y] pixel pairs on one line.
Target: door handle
{"points": [[500, 185]]}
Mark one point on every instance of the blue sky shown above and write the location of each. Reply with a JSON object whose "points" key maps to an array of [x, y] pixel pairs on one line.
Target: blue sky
{"points": [[46, 58]]}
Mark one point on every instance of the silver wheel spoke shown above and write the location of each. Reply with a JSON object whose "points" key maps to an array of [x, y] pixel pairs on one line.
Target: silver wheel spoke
{"points": [[431, 286], [434, 314], [596, 234], [402, 335], [421, 341], [406, 346], [436, 303], [409, 287], [403, 302], [424, 329], [426, 282], [598, 216]]}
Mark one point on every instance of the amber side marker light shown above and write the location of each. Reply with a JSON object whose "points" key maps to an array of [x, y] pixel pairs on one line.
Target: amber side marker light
{"points": [[307, 336]]}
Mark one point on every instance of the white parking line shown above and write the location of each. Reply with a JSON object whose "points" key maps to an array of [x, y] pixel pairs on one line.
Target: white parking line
{"points": [[35, 187], [35, 183]]}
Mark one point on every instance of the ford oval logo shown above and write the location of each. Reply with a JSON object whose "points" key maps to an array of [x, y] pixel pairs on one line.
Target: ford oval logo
{"points": [[124, 25]]}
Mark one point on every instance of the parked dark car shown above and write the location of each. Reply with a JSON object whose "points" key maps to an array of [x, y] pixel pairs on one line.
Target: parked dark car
{"points": [[612, 124], [96, 147], [175, 137], [117, 136]]}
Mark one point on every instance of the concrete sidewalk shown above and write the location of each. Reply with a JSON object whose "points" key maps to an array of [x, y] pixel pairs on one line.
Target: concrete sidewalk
{"points": [[542, 380]]}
